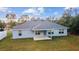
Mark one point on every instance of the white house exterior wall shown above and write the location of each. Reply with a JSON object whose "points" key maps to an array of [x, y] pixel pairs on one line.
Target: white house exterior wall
{"points": [[56, 32], [31, 34], [25, 34]]}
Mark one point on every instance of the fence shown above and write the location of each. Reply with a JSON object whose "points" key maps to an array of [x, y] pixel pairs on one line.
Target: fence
{"points": [[3, 34]]}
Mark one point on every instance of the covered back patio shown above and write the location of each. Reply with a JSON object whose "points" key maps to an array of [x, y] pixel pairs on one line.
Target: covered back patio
{"points": [[41, 35]]}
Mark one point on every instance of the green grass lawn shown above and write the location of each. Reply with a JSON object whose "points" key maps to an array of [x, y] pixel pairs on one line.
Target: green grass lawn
{"points": [[68, 43]]}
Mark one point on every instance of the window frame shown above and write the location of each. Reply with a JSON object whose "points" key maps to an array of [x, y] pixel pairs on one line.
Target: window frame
{"points": [[61, 31], [20, 32], [52, 32], [37, 33], [49, 32]]}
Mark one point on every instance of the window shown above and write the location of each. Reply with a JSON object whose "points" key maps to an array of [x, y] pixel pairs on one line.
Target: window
{"points": [[20, 33], [52, 32], [37, 33], [61, 31], [49, 32]]}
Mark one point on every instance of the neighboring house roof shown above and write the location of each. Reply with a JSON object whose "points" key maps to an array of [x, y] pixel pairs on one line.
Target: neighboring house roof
{"points": [[39, 24]]}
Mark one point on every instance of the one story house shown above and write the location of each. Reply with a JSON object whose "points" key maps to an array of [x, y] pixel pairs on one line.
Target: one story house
{"points": [[38, 30]]}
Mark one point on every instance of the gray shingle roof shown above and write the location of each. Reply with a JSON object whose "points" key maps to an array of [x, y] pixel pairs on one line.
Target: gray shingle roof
{"points": [[39, 24]]}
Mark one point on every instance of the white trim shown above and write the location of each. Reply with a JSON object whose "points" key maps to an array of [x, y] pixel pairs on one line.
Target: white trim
{"points": [[40, 29], [21, 29], [49, 29]]}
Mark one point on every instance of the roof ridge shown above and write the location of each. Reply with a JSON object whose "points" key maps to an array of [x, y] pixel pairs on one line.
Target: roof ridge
{"points": [[36, 26]]}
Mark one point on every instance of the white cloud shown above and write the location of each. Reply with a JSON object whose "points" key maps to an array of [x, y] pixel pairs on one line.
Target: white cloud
{"points": [[6, 10], [66, 8], [69, 8], [9, 11], [34, 11], [3, 9], [55, 13], [29, 11], [41, 10]]}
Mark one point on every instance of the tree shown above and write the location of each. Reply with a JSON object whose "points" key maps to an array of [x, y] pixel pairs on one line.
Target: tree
{"points": [[10, 16], [1, 25], [12, 24], [76, 24], [72, 22]]}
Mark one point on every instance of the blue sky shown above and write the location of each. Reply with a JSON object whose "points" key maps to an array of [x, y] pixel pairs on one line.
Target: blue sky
{"points": [[38, 11]]}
